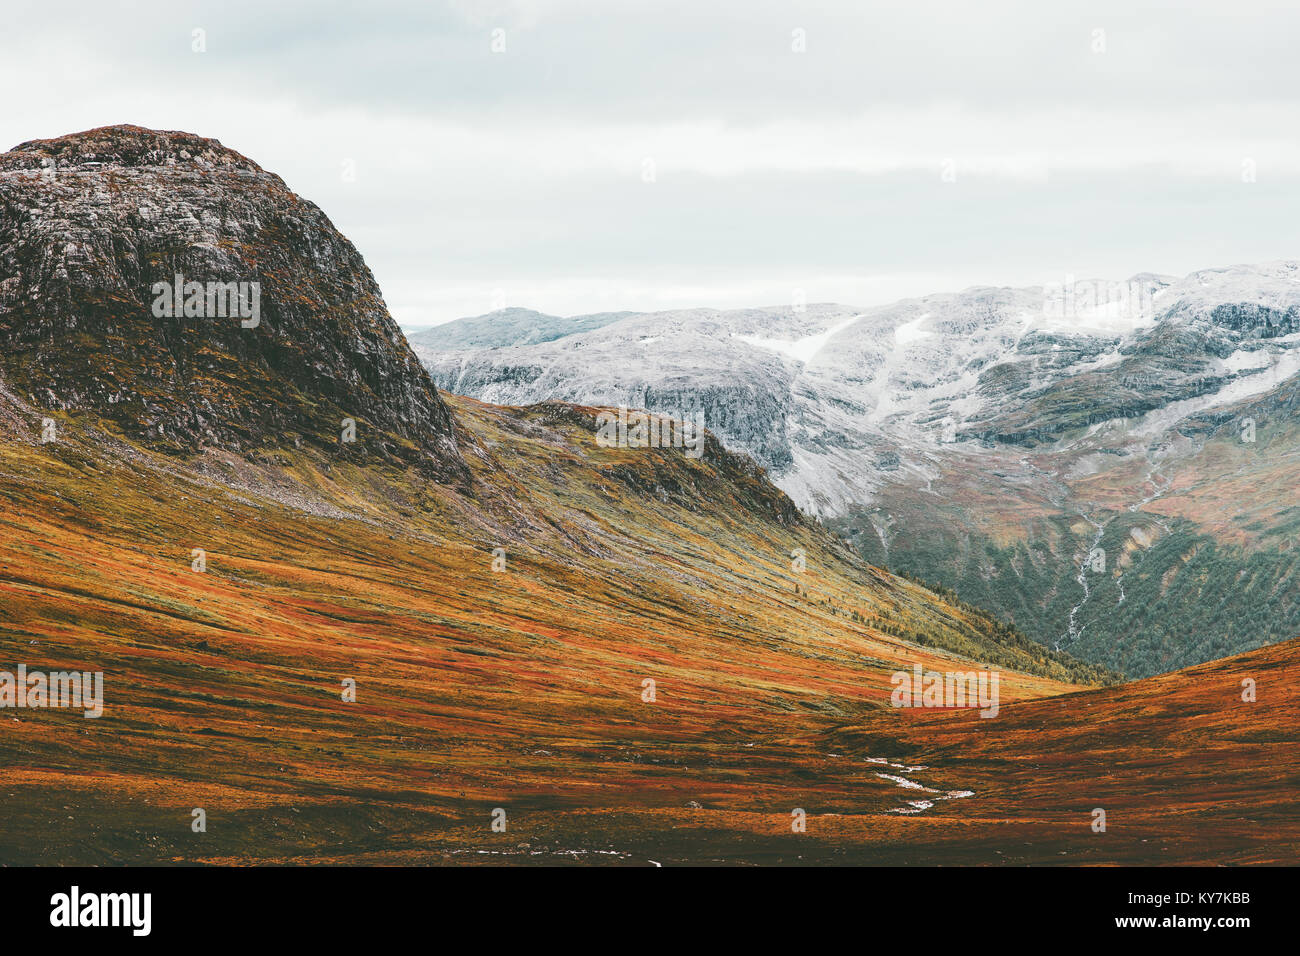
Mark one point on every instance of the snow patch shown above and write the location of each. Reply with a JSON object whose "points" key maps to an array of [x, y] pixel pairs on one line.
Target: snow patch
{"points": [[910, 332], [801, 350]]}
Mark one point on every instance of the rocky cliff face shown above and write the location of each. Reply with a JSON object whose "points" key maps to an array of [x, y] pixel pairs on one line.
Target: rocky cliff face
{"points": [[276, 334]]}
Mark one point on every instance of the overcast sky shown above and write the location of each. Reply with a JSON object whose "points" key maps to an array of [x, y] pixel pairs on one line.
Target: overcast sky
{"points": [[911, 147]]}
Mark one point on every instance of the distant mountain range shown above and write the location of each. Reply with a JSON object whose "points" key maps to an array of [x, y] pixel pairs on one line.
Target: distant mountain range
{"points": [[1111, 465], [508, 327]]}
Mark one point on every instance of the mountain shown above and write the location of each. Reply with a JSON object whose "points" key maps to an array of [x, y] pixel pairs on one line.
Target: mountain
{"points": [[94, 225], [360, 651], [1111, 466]]}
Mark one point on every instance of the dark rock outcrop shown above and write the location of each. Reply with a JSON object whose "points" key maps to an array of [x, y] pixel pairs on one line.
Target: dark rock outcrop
{"points": [[91, 222]]}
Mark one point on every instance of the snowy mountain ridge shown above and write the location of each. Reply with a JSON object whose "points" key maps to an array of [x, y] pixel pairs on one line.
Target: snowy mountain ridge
{"points": [[997, 440], [828, 397]]}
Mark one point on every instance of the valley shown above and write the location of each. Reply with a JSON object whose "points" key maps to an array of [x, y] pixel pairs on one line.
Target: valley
{"points": [[522, 690], [343, 617]]}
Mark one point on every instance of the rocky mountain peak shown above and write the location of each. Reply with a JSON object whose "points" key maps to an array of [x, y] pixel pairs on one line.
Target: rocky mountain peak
{"points": [[173, 287], [127, 146]]}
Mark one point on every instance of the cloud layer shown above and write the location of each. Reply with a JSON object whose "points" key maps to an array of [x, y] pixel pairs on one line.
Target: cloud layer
{"points": [[579, 156]]}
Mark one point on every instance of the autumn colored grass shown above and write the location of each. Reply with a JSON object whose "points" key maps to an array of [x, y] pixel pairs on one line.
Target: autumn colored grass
{"points": [[522, 689]]}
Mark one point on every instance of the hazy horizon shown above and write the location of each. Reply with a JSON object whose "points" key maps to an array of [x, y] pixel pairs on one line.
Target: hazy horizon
{"points": [[1111, 280]]}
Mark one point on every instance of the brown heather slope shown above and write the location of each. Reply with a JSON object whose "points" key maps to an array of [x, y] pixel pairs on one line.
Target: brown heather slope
{"points": [[476, 689], [1187, 771], [522, 689]]}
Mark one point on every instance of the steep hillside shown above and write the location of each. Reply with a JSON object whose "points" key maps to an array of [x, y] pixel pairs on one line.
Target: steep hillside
{"points": [[475, 688]]}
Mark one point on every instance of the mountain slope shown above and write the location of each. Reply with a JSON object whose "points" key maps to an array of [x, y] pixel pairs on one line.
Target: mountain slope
{"points": [[522, 689], [476, 688], [1186, 770]]}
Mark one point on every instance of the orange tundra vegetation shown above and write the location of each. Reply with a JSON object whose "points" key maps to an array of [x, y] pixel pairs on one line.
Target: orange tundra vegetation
{"points": [[524, 689]]}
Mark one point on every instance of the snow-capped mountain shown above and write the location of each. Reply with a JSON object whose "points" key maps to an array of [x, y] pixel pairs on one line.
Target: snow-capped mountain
{"points": [[968, 436]]}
